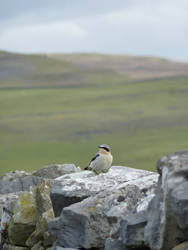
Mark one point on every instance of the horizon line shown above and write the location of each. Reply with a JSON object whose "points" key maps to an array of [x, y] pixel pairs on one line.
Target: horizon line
{"points": [[93, 53]]}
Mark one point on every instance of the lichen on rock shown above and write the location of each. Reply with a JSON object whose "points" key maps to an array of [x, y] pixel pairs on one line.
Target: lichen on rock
{"points": [[23, 220]]}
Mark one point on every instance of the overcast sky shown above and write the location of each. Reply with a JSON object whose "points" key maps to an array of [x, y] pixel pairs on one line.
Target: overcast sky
{"points": [[137, 27]]}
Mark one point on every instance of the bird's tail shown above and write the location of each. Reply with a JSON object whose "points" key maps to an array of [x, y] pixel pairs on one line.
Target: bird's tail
{"points": [[86, 168]]}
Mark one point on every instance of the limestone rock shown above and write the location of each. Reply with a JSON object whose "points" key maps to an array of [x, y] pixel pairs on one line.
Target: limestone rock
{"points": [[111, 196], [72, 188], [168, 211], [62, 194], [48, 239], [4, 223], [54, 171], [132, 230], [6, 205], [114, 244], [172, 162], [18, 181], [43, 201], [41, 232], [13, 175], [38, 246], [78, 226], [179, 205], [23, 221], [6, 200], [10, 247], [182, 246], [44, 215], [62, 248], [29, 213]]}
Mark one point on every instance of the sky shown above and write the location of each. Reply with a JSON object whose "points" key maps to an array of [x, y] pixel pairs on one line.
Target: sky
{"points": [[134, 27]]}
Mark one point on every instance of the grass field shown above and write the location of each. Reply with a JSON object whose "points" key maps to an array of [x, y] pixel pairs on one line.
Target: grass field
{"points": [[140, 120]]}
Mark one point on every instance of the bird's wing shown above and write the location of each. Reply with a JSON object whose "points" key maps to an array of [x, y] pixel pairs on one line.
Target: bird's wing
{"points": [[94, 158]]}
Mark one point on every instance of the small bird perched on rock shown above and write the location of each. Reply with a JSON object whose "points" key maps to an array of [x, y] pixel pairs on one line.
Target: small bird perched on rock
{"points": [[102, 161]]}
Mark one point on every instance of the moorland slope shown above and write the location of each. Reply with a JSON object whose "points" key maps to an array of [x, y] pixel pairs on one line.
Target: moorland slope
{"points": [[56, 108]]}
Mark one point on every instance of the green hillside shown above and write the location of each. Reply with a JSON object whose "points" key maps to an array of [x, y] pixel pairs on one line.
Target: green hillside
{"points": [[56, 110]]}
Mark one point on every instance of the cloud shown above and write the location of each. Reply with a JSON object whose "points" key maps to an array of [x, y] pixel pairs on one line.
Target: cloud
{"points": [[53, 36], [131, 27]]}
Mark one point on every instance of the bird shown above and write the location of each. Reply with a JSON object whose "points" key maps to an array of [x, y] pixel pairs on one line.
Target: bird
{"points": [[102, 161]]}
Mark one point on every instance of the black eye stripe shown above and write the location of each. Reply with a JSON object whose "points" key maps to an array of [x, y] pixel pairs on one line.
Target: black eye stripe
{"points": [[107, 149]]}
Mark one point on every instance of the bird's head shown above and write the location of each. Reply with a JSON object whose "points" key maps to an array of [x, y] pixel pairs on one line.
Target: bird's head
{"points": [[105, 147]]}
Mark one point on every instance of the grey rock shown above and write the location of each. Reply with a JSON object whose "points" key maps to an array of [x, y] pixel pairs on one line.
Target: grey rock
{"points": [[6, 200], [62, 194], [10, 247], [57, 247], [179, 205], [54, 171], [119, 204], [167, 214], [114, 244], [144, 204], [132, 229], [44, 214], [63, 248], [6, 204], [173, 161], [78, 226], [4, 222], [23, 219], [18, 181], [13, 175], [69, 189], [111, 196]]}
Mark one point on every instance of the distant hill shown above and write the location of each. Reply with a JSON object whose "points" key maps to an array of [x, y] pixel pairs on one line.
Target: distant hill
{"points": [[130, 66], [43, 70], [57, 108]]}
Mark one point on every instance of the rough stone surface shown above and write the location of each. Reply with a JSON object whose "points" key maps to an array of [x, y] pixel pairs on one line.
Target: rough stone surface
{"points": [[6, 204], [143, 205], [61, 194], [4, 223], [6, 200], [114, 244], [62, 248], [13, 175], [38, 246], [79, 224], [29, 212], [173, 161], [179, 205], [18, 181], [42, 196], [123, 209], [23, 220], [54, 171], [168, 211], [44, 215], [182, 246], [113, 195], [73, 188], [132, 229], [10, 247]]}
